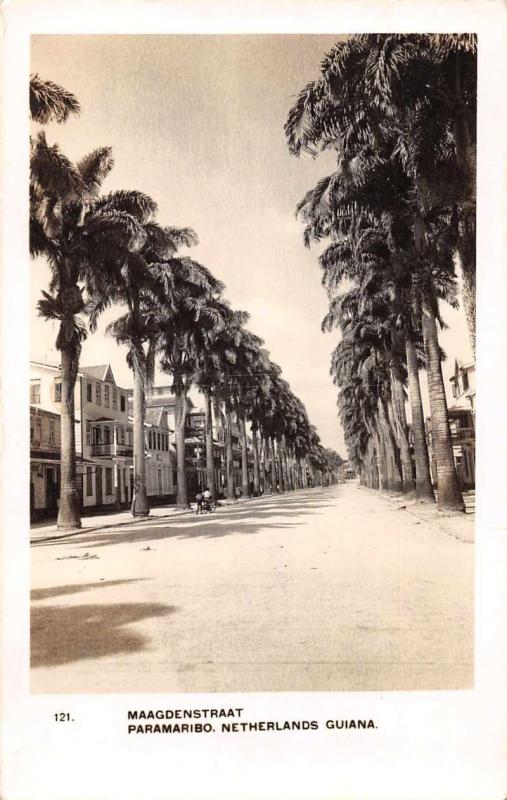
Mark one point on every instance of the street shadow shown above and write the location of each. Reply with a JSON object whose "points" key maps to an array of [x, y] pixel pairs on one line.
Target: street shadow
{"points": [[63, 634], [56, 591], [243, 520]]}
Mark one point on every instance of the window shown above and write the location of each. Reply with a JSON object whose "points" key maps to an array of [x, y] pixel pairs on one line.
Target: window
{"points": [[98, 394], [89, 481], [38, 428], [115, 400], [465, 381], [31, 429], [121, 434], [107, 436], [35, 393], [158, 442], [58, 392], [89, 392], [122, 402], [106, 396], [88, 432], [109, 480], [51, 431]]}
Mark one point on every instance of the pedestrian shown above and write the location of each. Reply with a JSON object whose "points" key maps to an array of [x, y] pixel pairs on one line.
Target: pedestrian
{"points": [[198, 500]]}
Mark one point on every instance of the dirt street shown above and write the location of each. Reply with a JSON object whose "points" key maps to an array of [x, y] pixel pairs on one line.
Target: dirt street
{"points": [[324, 590]]}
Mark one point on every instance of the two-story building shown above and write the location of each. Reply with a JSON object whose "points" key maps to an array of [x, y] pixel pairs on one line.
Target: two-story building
{"points": [[160, 460], [462, 422], [461, 415], [44, 459], [104, 436]]}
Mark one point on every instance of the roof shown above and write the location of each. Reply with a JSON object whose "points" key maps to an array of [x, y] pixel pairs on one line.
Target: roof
{"points": [[38, 409], [102, 372], [156, 417], [160, 401], [46, 366]]}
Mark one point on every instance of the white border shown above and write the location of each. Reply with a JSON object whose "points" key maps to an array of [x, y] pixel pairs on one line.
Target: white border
{"points": [[429, 745]]}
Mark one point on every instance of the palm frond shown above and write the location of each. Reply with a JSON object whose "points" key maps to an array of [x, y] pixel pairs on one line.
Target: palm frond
{"points": [[95, 167], [135, 203], [52, 173], [50, 102]]}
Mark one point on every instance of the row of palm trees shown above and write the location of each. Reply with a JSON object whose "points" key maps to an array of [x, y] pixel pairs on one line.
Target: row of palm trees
{"points": [[397, 216], [106, 249]]}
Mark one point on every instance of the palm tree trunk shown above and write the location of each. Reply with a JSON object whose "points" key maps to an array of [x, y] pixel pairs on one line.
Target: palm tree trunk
{"points": [[467, 261], [274, 470], [256, 469], [210, 458], [381, 459], [285, 466], [393, 471], [68, 511], [449, 493], [279, 459], [180, 409], [423, 485], [400, 422], [245, 488], [229, 457], [140, 506], [466, 161], [266, 465]]}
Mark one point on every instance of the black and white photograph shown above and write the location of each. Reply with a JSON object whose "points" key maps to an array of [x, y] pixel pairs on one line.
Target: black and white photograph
{"points": [[254, 458], [252, 386]]}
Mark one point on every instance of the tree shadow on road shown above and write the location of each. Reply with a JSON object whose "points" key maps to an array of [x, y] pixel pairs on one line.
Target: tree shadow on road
{"points": [[62, 634], [56, 591], [239, 520]]}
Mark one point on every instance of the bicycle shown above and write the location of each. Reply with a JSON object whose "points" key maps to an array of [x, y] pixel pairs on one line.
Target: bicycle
{"points": [[209, 505]]}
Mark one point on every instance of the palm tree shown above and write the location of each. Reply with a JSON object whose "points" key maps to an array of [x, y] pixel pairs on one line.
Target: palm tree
{"points": [[191, 317], [367, 184], [141, 280], [82, 236], [415, 96], [213, 360], [50, 102]]}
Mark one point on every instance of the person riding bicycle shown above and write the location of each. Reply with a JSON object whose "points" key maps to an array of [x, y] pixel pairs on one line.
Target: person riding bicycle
{"points": [[206, 499]]}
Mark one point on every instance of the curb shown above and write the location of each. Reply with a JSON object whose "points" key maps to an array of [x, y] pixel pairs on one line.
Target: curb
{"points": [[86, 529], [227, 504]]}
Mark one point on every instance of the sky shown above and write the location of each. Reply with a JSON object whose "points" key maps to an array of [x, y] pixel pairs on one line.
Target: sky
{"points": [[196, 122]]}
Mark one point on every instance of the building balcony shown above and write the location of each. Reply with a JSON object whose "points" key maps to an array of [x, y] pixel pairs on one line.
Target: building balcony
{"points": [[112, 450], [463, 434]]}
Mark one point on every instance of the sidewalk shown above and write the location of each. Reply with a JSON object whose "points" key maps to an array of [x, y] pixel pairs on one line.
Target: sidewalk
{"points": [[50, 531], [460, 526], [100, 522]]}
